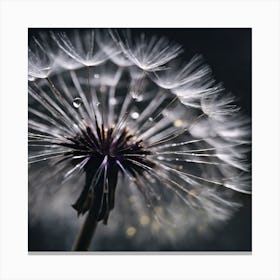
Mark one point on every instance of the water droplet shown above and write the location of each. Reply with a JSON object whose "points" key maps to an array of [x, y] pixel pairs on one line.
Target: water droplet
{"points": [[97, 104], [151, 119], [77, 102], [135, 115], [96, 76], [160, 158]]}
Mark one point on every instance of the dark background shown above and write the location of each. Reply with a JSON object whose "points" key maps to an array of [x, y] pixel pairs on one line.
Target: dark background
{"points": [[228, 52]]}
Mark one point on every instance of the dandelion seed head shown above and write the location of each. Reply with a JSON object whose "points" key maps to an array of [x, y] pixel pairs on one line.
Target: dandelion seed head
{"points": [[122, 122]]}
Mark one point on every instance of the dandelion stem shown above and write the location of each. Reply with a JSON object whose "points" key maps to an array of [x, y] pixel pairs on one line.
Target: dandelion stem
{"points": [[87, 231]]}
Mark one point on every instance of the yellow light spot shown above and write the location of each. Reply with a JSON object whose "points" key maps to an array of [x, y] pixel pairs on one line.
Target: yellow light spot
{"points": [[144, 220], [155, 225], [132, 199], [202, 228], [158, 210], [192, 194], [130, 232], [178, 123], [170, 233], [134, 138], [103, 88]]}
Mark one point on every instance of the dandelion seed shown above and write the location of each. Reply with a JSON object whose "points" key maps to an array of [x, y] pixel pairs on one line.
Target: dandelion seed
{"points": [[115, 122]]}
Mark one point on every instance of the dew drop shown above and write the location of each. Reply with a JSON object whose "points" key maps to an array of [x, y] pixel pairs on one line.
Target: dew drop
{"points": [[135, 115], [151, 119], [77, 102], [96, 76]]}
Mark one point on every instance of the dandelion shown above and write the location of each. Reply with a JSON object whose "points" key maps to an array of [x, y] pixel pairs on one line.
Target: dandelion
{"points": [[118, 122]]}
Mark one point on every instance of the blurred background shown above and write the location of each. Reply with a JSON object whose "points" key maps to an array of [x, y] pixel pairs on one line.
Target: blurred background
{"points": [[228, 52]]}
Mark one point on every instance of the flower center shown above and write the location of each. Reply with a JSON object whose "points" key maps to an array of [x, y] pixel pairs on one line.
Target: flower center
{"points": [[104, 154]]}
